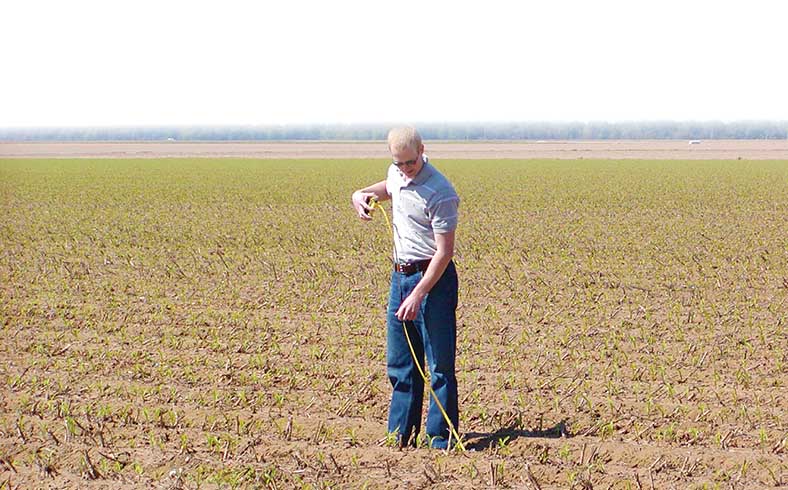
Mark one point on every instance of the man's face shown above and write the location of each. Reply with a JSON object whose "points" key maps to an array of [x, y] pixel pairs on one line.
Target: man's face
{"points": [[409, 160]]}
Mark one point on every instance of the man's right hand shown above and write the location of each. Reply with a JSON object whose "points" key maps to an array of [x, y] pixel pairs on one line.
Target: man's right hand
{"points": [[361, 204]]}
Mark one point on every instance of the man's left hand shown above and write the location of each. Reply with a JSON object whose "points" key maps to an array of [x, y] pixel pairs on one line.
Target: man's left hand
{"points": [[409, 308]]}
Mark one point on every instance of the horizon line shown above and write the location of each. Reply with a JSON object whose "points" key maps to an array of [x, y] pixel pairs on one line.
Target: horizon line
{"points": [[391, 123]]}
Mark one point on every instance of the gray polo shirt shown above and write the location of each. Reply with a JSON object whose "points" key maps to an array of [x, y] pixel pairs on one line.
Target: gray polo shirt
{"points": [[421, 207]]}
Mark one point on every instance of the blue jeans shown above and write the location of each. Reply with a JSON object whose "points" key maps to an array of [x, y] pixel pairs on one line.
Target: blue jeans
{"points": [[434, 332]]}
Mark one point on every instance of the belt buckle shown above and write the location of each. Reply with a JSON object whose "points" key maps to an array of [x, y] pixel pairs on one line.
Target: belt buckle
{"points": [[406, 268]]}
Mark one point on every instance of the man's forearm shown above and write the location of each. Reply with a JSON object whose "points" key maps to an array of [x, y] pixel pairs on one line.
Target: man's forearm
{"points": [[379, 189]]}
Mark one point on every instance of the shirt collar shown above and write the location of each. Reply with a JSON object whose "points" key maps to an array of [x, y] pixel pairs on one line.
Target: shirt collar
{"points": [[425, 173]]}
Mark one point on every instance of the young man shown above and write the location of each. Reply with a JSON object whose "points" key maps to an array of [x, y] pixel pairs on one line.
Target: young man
{"points": [[423, 293]]}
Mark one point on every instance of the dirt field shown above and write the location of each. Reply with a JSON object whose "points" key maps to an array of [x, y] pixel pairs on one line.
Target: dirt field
{"points": [[218, 323], [621, 149]]}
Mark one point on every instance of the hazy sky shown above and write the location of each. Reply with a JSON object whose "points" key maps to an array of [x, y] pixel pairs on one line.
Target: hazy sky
{"points": [[158, 62]]}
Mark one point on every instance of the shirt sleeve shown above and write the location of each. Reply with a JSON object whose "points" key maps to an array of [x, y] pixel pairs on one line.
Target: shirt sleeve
{"points": [[443, 214]]}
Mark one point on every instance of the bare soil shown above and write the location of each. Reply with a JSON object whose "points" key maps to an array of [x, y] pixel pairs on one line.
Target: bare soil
{"points": [[608, 149]]}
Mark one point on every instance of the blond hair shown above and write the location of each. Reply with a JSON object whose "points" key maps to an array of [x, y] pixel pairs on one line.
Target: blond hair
{"points": [[404, 137]]}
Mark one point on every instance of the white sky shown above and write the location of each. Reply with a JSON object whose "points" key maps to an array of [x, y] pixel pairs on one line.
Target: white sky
{"points": [[164, 62]]}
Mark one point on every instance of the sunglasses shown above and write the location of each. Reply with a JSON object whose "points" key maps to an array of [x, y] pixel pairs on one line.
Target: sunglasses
{"points": [[409, 163]]}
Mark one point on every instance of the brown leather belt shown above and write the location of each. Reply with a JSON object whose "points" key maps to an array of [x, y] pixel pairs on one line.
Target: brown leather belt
{"points": [[412, 267]]}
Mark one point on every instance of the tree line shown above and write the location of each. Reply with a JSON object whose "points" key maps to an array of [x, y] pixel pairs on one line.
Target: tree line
{"points": [[430, 131]]}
